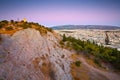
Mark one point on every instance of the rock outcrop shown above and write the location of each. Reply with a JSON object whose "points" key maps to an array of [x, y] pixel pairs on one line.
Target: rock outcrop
{"points": [[28, 55]]}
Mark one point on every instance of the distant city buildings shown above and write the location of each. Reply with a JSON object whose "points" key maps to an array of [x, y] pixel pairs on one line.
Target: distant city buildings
{"points": [[100, 37]]}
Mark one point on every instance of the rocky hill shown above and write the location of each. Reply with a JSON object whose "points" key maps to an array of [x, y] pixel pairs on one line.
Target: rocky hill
{"points": [[35, 54], [26, 55]]}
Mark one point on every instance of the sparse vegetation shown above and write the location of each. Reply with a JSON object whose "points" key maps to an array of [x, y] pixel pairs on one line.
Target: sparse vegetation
{"points": [[49, 29], [3, 23], [61, 43], [77, 63], [9, 28], [96, 61], [79, 73], [25, 25], [12, 21], [42, 30], [106, 54]]}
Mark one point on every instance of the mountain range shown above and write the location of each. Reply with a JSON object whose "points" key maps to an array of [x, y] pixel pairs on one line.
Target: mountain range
{"points": [[101, 27]]}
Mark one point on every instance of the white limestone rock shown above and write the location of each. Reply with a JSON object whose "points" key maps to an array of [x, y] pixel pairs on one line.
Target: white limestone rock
{"points": [[27, 55]]}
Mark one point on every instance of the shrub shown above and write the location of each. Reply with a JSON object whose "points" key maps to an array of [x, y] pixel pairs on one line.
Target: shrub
{"points": [[96, 61], [25, 25], [68, 44], [49, 29], [5, 21], [12, 21], [106, 54], [9, 28], [77, 63], [42, 30], [1, 26], [64, 38], [61, 43]]}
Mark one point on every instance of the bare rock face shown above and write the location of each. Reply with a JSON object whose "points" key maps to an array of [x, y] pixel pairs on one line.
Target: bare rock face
{"points": [[27, 55]]}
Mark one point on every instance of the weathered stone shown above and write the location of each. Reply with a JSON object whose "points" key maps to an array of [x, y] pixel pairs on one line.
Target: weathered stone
{"points": [[32, 56]]}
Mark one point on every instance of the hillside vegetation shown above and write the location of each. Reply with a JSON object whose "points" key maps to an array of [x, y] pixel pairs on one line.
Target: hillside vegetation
{"points": [[38, 53], [10, 27], [99, 53]]}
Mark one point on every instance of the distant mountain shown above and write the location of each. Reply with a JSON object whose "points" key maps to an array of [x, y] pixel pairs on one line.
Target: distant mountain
{"points": [[101, 27]]}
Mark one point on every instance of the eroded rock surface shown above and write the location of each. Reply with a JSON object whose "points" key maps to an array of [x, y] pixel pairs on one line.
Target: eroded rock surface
{"points": [[28, 55]]}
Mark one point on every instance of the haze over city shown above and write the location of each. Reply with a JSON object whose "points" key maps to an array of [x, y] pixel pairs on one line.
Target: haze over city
{"points": [[62, 12]]}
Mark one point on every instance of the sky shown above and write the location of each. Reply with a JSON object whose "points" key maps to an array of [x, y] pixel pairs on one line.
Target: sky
{"points": [[62, 12]]}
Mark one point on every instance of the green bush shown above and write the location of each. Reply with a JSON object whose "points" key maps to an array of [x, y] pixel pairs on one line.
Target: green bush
{"points": [[77, 63], [25, 25], [64, 38], [68, 44], [105, 54], [9, 28], [3, 23]]}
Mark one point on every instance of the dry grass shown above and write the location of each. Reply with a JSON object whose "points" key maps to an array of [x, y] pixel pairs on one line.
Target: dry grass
{"points": [[46, 68], [11, 32], [36, 63], [74, 56], [92, 63], [11, 28], [78, 73]]}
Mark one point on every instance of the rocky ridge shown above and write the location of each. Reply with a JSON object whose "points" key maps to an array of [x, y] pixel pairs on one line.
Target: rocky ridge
{"points": [[35, 54], [27, 55]]}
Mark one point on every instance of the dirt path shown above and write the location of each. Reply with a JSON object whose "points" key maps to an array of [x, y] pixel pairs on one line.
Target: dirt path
{"points": [[108, 75]]}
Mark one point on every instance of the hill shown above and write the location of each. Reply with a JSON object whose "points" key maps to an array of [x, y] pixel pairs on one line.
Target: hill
{"points": [[32, 54], [29, 51], [101, 27]]}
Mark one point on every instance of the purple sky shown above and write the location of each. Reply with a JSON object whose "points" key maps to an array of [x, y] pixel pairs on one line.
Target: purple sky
{"points": [[61, 12]]}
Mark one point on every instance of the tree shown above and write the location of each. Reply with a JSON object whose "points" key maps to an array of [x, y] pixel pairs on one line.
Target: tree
{"points": [[107, 39], [64, 38], [12, 21]]}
